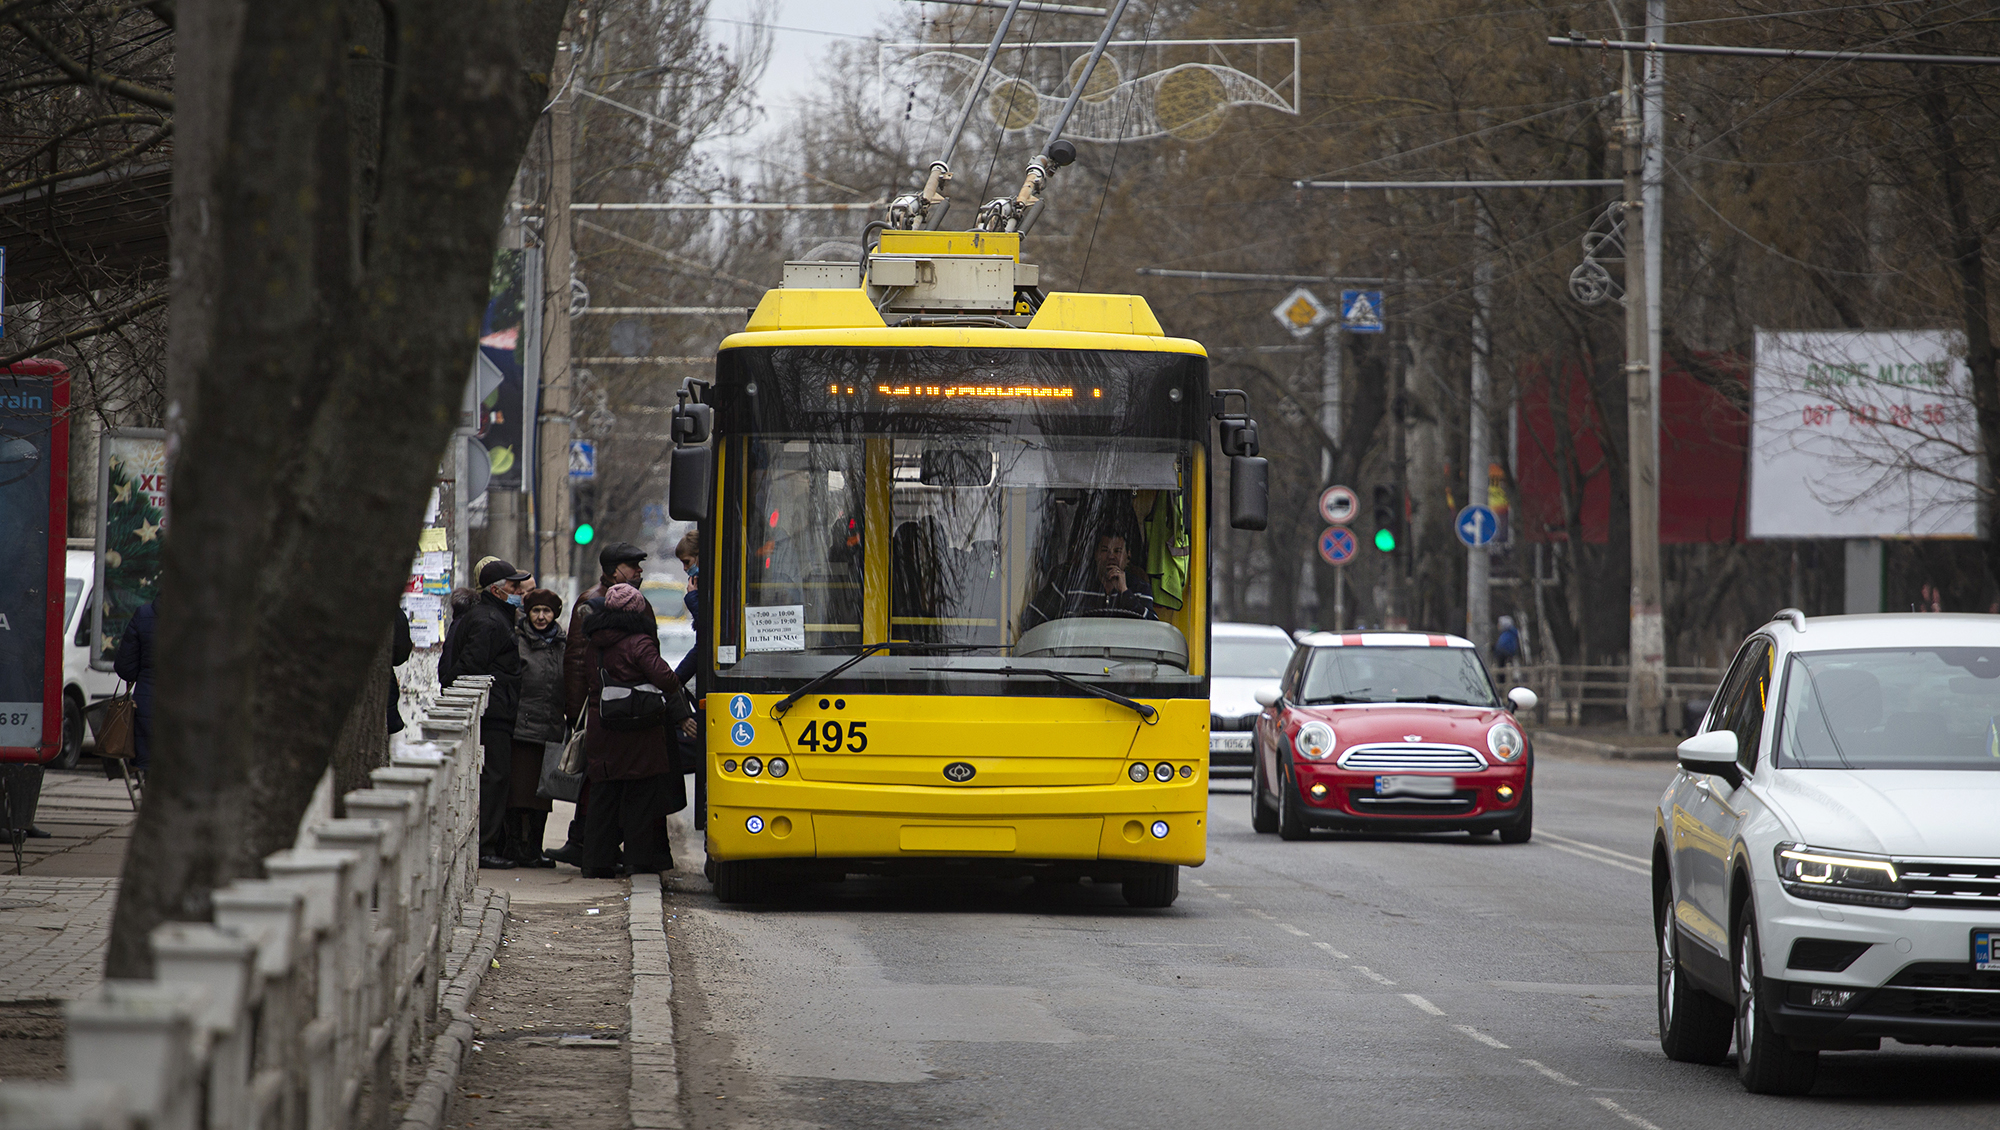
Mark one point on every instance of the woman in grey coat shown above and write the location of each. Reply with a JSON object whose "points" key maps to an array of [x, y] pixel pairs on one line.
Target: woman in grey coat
{"points": [[538, 719]]}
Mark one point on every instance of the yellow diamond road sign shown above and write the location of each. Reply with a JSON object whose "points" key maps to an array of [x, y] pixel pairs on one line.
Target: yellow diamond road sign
{"points": [[1301, 312]]}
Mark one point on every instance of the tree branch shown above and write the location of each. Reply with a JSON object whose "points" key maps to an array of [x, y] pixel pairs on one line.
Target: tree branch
{"points": [[143, 144], [90, 76], [106, 326]]}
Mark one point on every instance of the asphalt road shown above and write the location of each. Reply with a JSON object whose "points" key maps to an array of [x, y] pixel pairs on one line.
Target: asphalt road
{"points": [[1423, 982]]}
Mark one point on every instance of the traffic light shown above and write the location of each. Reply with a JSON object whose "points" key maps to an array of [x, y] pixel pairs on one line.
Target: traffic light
{"points": [[1388, 517], [583, 507]]}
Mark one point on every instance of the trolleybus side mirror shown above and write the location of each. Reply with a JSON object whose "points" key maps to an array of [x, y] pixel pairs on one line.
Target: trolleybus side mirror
{"points": [[691, 423], [688, 484], [1249, 491]]}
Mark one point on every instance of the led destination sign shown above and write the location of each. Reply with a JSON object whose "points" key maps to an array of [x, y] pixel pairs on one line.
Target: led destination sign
{"points": [[977, 392]]}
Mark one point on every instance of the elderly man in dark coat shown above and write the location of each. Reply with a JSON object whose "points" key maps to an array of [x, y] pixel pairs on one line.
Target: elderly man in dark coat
{"points": [[482, 643], [633, 784]]}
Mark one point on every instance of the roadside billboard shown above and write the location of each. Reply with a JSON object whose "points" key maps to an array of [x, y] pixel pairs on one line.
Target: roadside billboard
{"points": [[131, 528], [34, 518], [1862, 434]]}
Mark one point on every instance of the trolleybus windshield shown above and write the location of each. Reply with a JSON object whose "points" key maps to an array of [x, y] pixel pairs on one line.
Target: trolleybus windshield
{"points": [[962, 499]]}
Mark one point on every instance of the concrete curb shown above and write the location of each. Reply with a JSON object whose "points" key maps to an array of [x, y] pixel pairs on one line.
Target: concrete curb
{"points": [[655, 1095], [432, 1102], [1563, 743]]}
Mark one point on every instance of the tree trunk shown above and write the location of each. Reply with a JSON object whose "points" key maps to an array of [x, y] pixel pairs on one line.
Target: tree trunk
{"points": [[314, 373]]}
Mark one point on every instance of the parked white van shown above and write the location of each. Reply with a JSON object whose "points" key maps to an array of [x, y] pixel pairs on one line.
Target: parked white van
{"points": [[82, 684]]}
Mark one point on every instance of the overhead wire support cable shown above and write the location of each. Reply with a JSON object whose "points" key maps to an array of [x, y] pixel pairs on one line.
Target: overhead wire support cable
{"points": [[725, 206], [1025, 5], [1248, 276], [1775, 52], [1454, 185]]}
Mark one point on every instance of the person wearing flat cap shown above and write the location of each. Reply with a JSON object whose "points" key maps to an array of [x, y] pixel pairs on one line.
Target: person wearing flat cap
{"points": [[482, 642], [623, 563]]}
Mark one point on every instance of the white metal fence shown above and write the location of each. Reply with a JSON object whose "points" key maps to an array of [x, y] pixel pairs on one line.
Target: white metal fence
{"points": [[313, 999]]}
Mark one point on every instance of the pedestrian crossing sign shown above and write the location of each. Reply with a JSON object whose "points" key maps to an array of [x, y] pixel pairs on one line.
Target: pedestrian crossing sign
{"points": [[1361, 311]]}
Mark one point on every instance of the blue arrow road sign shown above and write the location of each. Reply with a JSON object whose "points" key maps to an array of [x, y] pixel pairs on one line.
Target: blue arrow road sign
{"points": [[1361, 311], [1476, 525], [1337, 545]]}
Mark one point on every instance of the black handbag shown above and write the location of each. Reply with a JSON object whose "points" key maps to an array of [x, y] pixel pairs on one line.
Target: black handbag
{"points": [[624, 707]]}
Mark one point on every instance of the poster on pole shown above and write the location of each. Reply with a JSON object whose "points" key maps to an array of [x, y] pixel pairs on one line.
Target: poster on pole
{"points": [[34, 519], [1862, 434], [131, 531]]}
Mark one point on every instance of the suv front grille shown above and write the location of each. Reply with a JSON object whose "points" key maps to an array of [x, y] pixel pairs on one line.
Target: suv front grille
{"points": [[1399, 758], [1939, 990], [1951, 882]]}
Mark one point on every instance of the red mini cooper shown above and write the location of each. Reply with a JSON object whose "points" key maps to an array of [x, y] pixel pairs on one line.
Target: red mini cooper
{"points": [[1391, 732]]}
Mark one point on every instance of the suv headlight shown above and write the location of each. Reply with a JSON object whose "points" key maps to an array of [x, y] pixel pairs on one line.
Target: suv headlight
{"points": [[1506, 742], [1838, 876], [1315, 741]]}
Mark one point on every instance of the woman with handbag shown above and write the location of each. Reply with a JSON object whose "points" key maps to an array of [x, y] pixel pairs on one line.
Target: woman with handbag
{"points": [[134, 664], [633, 709], [537, 720]]}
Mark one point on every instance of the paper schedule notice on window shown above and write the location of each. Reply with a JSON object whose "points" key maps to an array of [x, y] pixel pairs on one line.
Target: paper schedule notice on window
{"points": [[778, 627]]}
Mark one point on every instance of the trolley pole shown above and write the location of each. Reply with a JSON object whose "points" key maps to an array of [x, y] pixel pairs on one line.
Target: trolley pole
{"points": [[1647, 689]]}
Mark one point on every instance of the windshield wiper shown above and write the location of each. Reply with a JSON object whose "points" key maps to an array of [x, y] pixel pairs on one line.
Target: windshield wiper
{"points": [[1438, 698], [1139, 708], [1331, 700], [782, 705]]}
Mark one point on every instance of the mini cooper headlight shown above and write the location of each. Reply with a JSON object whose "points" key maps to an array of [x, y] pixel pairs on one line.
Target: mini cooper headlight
{"points": [[1838, 876], [1506, 742], [1315, 741]]}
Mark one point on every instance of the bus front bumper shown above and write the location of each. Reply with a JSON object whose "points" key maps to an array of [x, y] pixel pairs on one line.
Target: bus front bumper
{"points": [[766, 832]]}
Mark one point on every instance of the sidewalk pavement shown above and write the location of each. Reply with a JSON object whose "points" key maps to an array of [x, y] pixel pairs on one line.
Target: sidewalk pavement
{"points": [[56, 917]]}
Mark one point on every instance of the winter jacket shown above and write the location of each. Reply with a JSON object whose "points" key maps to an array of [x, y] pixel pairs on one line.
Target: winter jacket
{"points": [[577, 673], [540, 716], [134, 664], [1084, 596], [485, 645], [627, 646]]}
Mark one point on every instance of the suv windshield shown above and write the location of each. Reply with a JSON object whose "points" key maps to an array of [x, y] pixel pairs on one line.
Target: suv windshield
{"points": [[1251, 658], [1396, 674], [1901, 708]]}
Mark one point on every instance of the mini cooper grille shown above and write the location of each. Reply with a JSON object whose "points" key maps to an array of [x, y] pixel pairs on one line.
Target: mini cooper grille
{"points": [[1397, 758], [1951, 882]]}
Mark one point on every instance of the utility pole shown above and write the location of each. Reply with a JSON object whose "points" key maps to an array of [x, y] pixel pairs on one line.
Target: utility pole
{"points": [[1648, 630], [555, 428], [1479, 559]]}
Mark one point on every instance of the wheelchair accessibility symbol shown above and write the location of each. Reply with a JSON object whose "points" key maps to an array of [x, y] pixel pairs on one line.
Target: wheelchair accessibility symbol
{"points": [[739, 707], [742, 733]]}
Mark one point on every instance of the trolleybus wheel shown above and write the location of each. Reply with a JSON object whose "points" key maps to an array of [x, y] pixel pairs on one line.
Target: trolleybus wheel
{"points": [[1262, 819], [741, 880], [1158, 885], [1291, 821]]}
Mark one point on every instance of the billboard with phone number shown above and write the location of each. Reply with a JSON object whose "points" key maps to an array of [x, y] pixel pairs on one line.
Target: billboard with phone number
{"points": [[34, 517]]}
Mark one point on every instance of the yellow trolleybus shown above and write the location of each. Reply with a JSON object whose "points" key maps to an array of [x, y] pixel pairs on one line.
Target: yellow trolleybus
{"points": [[955, 556]]}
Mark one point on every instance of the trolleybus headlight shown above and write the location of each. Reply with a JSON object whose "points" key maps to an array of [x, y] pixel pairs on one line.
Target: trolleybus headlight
{"points": [[1505, 742], [1186, 772], [729, 766], [1138, 772], [778, 767], [752, 766], [1163, 772], [1315, 741], [1160, 829]]}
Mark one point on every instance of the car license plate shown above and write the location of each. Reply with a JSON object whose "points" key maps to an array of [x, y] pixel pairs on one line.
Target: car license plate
{"points": [[1986, 950], [1405, 784], [1229, 743]]}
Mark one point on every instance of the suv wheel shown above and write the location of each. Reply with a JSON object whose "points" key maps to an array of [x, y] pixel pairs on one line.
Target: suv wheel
{"points": [[1262, 819], [1764, 1061], [1694, 1027], [72, 734]]}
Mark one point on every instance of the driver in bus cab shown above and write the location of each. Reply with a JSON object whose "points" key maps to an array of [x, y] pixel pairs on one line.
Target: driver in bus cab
{"points": [[1100, 587]]}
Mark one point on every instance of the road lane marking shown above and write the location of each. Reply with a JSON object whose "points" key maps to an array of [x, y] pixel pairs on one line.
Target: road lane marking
{"points": [[1627, 1115], [1423, 1004], [1552, 1073], [1599, 859], [1291, 929], [1481, 1036], [1264, 914], [1331, 950], [1372, 975], [1576, 990], [1588, 846]]}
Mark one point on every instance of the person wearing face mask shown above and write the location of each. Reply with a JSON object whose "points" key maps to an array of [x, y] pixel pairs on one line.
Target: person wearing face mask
{"points": [[539, 719], [483, 643]]}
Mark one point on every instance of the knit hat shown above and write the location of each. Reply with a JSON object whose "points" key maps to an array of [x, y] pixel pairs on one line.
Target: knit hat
{"points": [[624, 598], [543, 597]]}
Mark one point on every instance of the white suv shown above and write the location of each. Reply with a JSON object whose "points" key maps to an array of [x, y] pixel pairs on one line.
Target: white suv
{"points": [[1826, 866]]}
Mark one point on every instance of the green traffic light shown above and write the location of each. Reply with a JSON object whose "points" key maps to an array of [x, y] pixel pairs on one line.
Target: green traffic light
{"points": [[1385, 540], [585, 533]]}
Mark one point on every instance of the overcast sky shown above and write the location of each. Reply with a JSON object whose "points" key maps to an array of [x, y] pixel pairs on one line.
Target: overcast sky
{"points": [[802, 31]]}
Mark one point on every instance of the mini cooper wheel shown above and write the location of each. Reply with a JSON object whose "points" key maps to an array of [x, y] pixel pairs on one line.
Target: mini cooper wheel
{"points": [[1766, 1063], [1522, 829], [1263, 819], [1291, 812], [1694, 1027], [1155, 887]]}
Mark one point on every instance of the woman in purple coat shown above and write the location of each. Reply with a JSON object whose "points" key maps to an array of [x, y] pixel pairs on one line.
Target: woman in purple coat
{"points": [[631, 773]]}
